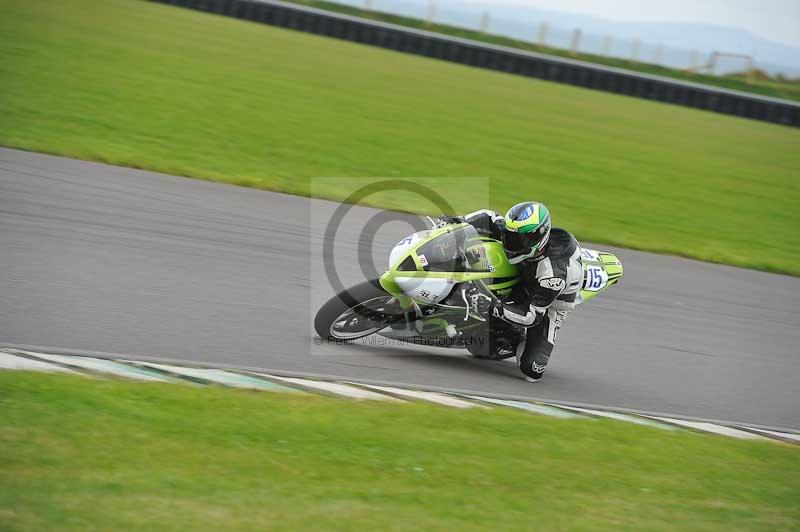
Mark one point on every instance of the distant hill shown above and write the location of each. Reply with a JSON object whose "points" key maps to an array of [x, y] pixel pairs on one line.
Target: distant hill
{"points": [[678, 39]]}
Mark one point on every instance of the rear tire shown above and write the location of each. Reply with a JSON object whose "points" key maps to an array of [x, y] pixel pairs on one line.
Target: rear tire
{"points": [[342, 302]]}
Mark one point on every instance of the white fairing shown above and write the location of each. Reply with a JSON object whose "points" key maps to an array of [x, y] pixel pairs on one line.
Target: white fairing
{"points": [[595, 277], [431, 290], [401, 248]]}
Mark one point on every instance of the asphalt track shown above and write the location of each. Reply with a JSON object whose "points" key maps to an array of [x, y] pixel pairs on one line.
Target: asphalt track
{"points": [[101, 258]]}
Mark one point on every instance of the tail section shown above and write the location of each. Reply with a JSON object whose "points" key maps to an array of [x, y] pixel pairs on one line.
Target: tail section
{"points": [[600, 270]]}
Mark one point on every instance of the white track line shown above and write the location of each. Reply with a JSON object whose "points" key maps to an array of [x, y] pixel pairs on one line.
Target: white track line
{"points": [[432, 397], [220, 377], [617, 416], [774, 433], [528, 407], [103, 366], [8, 361], [335, 388], [711, 427], [41, 362]]}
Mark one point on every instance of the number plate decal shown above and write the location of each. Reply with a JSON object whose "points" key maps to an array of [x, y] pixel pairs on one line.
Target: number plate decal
{"points": [[596, 279]]}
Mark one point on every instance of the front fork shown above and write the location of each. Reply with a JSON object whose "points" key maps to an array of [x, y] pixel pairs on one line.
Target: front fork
{"points": [[414, 315]]}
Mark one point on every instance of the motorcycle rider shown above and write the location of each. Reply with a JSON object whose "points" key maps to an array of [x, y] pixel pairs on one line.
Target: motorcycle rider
{"points": [[551, 273]]}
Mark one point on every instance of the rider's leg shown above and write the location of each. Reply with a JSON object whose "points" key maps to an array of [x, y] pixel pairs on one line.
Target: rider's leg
{"points": [[534, 354]]}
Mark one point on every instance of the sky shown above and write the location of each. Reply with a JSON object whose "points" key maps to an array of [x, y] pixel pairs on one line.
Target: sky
{"points": [[776, 20]]}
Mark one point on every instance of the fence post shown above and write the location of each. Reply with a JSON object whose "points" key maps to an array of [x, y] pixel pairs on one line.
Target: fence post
{"points": [[606, 46], [484, 22], [431, 15], [635, 49], [659, 53], [575, 44], [750, 77], [693, 61], [712, 63], [541, 36], [368, 5]]}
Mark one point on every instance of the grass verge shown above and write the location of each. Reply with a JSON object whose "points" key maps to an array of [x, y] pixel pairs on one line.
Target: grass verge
{"points": [[760, 84], [163, 88], [78, 454]]}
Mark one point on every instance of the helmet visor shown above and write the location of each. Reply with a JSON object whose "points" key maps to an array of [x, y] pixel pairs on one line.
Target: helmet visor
{"points": [[516, 244]]}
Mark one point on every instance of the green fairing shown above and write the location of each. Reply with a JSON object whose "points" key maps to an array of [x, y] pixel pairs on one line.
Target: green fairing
{"points": [[506, 273]]}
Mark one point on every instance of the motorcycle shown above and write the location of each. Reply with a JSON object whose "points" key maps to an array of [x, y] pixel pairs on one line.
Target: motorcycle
{"points": [[427, 294]]}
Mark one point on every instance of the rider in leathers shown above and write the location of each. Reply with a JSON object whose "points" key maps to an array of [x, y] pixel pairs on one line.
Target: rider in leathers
{"points": [[549, 262]]}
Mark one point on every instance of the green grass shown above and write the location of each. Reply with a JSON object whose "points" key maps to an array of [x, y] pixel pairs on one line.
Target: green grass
{"points": [[174, 90], [81, 454], [759, 84]]}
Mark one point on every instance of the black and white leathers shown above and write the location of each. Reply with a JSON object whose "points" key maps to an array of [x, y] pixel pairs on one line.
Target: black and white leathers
{"points": [[551, 281]]}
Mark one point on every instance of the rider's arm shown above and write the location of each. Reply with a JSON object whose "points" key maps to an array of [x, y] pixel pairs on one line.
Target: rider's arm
{"points": [[486, 223], [547, 283], [543, 286]]}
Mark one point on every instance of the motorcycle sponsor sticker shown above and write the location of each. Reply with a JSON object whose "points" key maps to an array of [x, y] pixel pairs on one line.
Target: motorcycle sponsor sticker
{"points": [[552, 283], [590, 254], [423, 260], [596, 279]]}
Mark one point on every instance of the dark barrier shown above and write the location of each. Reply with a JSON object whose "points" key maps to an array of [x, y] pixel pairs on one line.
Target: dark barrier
{"points": [[520, 62]]}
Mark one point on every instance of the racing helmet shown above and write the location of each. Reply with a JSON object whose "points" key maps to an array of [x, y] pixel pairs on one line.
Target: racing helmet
{"points": [[526, 230]]}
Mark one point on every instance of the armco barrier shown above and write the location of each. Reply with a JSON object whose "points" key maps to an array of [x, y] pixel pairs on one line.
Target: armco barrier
{"points": [[510, 60]]}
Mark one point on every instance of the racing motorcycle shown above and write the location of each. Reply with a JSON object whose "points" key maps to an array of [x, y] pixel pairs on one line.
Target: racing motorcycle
{"points": [[427, 294]]}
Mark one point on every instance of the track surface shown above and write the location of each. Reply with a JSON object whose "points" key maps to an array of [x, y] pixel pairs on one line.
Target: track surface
{"points": [[100, 258]]}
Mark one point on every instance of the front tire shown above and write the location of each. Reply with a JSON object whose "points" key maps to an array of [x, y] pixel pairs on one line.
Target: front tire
{"points": [[350, 314]]}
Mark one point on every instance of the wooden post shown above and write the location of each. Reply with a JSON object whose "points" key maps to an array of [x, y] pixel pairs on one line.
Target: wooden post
{"points": [[712, 63], [693, 60], [658, 55], [431, 15], [635, 49], [368, 5], [575, 43], [541, 36], [751, 71], [485, 22], [606, 46]]}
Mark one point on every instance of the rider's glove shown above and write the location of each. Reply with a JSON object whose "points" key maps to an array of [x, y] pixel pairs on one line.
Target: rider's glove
{"points": [[516, 315], [442, 221], [481, 305]]}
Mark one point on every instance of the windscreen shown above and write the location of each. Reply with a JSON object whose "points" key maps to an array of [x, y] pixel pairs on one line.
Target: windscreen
{"points": [[458, 250]]}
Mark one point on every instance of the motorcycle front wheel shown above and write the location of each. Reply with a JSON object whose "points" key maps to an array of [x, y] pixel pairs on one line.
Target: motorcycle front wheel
{"points": [[356, 312]]}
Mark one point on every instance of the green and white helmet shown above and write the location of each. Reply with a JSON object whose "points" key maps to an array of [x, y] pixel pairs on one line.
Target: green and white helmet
{"points": [[526, 231]]}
